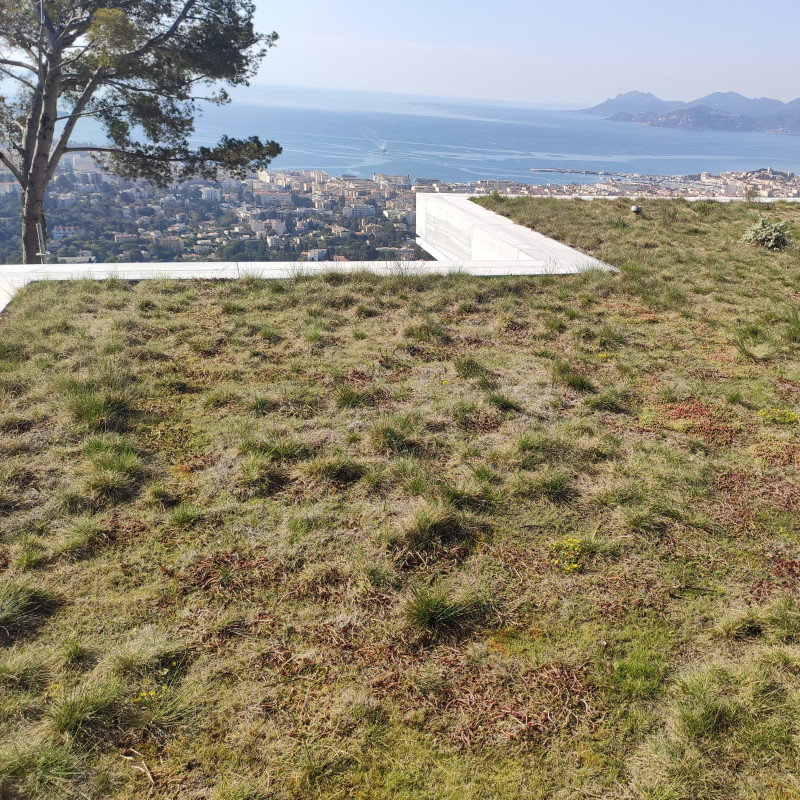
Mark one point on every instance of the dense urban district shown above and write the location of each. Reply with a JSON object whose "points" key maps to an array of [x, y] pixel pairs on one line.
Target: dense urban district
{"points": [[303, 215]]}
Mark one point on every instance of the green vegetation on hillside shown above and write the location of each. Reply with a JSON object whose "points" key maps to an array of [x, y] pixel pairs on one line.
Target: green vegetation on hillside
{"points": [[409, 537]]}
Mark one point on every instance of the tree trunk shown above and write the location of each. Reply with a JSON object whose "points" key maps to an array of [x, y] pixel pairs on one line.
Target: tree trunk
{"points": [[37, 162], [32, 214]]}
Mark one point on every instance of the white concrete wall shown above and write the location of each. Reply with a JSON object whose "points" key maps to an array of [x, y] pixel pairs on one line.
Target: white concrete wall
{"points": [[13, 278], [452, 228]]}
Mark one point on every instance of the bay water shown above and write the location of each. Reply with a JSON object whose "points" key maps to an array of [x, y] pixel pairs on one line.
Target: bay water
{"points": [[460, 140]]}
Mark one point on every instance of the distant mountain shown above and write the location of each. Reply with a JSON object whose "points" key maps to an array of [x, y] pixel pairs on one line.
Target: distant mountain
{"points": [[728, 111], [697, 118], [735, 103], [633, 103]]}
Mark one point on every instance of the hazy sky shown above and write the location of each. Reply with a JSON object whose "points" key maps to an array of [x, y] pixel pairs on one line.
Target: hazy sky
{"points": [[559, 51]]}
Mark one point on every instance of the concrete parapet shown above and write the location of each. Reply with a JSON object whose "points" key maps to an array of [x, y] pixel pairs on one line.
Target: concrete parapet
{"points": [[452, 228]]}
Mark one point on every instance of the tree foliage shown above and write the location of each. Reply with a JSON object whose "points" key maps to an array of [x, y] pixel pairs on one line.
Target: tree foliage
{"points": [[138, 67]]}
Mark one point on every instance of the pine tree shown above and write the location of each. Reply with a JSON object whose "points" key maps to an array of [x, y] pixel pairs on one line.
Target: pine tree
{"points": [[138, 67]]}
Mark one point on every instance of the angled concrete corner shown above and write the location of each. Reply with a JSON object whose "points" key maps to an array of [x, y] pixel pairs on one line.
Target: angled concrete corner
{"points": [[461, 236], [452, 228]]}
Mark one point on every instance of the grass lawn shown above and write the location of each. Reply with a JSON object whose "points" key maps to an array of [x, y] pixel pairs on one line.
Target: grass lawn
{"points": [[411, 537]]}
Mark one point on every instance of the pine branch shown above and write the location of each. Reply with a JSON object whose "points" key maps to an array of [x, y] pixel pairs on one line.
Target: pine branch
{"points": [[77, 111], [6, 161], [164, 37], [9, 74], [10, 62]]}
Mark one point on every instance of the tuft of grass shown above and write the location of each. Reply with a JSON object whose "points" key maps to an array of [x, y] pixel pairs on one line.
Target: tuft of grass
{"points": [[639, 673], [434, 610], [776, 622], [347, 396], [564, 374], [263, 404], [536, 447], [426, 331], [276, 448], [502, 402], [552, 484], [24, 670], [149, 652], [73, 651], [260, 476], [105, 402], [410, 473], [791, 333], [159, 710], [112, 471], [729, 732], [468, 495], [605, 401], [269, 334], [85, 709], [395, 433], [184, 515], [301, 400], [37, 767], [468, 367], [434, 524], [337, 468], [220, 397], [21, 606], [30, 555], [81, 538]]}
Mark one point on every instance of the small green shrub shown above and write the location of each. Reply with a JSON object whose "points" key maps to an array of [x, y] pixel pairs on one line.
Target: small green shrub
{"points": [[772, 235]]}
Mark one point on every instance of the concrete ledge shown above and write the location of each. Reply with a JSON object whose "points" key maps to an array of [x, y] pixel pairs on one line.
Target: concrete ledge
{"points": [[450, 227], [13, 278]]}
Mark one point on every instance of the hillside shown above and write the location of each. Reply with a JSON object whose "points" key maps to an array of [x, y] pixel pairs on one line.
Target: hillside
{"points": [[717, 111], [410, 537]]}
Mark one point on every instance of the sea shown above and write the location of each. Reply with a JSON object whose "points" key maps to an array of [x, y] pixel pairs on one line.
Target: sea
{"points": [[454, 140]]}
